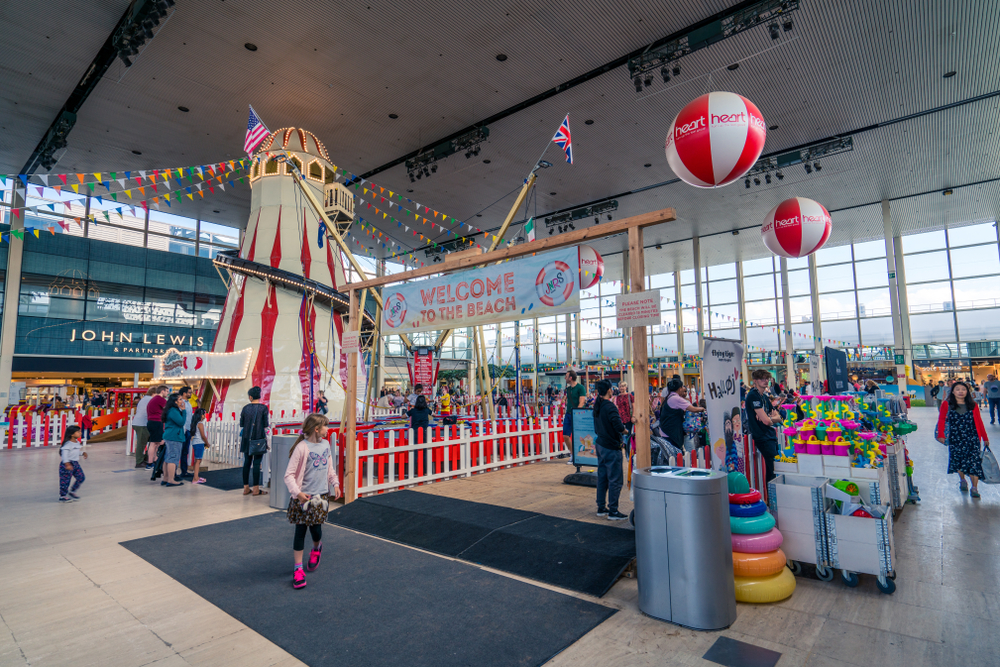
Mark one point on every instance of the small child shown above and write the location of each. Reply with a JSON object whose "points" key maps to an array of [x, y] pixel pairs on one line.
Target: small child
{"points": [[199, 441], [70, 464], [309, 476], [87, 422]]}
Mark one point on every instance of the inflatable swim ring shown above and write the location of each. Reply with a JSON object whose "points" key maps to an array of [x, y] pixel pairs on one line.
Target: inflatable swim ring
{"points": [[738, 483], [757, 544], [758, 565], [751, 525], [751, 509], [752, 496], [765, 589]]}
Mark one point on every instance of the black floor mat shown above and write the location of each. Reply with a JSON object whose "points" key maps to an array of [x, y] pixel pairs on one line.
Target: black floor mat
{"points": [[576, 555], [227, 479], [371, 602]]}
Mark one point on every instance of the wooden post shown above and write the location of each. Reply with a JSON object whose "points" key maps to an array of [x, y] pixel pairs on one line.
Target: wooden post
{"points": [[637, 275], [351, 411]]}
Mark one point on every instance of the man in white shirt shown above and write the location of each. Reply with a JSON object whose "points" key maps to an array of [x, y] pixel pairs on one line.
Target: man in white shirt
{"points": [[139, 421]]}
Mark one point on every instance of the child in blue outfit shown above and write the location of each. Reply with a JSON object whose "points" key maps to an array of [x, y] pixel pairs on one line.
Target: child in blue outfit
{"points": [[69, 465]]}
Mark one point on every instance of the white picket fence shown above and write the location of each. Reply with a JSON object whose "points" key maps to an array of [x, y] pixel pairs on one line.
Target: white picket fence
{"points": [[46, 430], [400, 458]]}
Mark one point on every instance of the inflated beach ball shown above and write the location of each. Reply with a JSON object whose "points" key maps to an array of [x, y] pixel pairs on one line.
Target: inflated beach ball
{"points": [[591, 267], [796, 227], [715, 139]]}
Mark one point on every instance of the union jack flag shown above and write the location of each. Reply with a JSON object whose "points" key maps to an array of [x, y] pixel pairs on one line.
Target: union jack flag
{"points": [[562, 138], [256, 133]]}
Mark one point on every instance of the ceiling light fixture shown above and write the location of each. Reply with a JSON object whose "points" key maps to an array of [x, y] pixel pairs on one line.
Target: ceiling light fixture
{"points": [[136, 152], [216, 211], [250, 46], [659, 247], [588, 122], [665, 74], [638, 84], [773, 128], [786, 25], [647, 165], [648, 81], [184, 109], [948, 192], [733, 67], [948, 75], [501, 57], [774, 30], [808, 167], [677, 70], [767, 178], [747, 183], [756, 181], [393, 116], [780, 176], [817, 166]]}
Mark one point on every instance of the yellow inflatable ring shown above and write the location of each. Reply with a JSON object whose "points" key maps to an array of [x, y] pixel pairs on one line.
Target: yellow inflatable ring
{"points": [[765, 589], [758, 565]]}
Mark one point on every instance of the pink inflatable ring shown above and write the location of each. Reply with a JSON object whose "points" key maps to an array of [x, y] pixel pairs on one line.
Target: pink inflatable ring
{"points": [[757, 544]]}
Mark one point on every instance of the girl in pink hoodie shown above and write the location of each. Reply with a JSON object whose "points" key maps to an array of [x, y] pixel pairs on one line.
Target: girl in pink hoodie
{"points": [[309, 478]]}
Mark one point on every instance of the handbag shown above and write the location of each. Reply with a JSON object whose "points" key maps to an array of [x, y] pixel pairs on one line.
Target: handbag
{"points": [[257, 447], [991, 469]]}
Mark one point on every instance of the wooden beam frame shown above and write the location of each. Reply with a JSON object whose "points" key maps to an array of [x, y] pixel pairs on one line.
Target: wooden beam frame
{"points": [[542, 245]]}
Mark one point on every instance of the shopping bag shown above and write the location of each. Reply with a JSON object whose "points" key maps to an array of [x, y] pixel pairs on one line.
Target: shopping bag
{"points": [[991, 470]]}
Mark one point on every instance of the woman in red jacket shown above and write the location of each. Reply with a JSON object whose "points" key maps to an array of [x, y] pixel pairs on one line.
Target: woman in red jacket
{"points": [[960, 427]]}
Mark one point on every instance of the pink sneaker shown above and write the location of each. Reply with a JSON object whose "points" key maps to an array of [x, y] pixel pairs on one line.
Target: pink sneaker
{"points": [[314, 557], [298, 578]]}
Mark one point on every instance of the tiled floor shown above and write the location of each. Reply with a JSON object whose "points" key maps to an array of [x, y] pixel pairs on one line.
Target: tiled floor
{"points": [[70, 595]]}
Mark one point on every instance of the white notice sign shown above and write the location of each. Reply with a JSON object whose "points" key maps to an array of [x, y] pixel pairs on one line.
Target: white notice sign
{"points": [[641, 309], [350, 342]]}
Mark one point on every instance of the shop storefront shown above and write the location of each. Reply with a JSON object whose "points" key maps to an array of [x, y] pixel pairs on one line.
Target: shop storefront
{"points": [[91, 317]]}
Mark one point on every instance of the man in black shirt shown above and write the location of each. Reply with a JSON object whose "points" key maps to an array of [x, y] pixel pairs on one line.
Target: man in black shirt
{"points": [[762, 418]]}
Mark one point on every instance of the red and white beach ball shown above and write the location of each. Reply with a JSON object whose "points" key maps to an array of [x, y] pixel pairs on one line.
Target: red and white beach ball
{"points": [[715, 139], [591, 267], [796, 227]]}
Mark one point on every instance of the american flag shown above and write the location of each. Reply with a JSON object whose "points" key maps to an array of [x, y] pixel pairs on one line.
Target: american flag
{"points": [[562, 138], [256, 132]]}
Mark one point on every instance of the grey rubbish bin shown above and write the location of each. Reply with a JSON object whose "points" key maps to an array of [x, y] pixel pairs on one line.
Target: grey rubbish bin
{"points": [[281, 449], [684, 554]]}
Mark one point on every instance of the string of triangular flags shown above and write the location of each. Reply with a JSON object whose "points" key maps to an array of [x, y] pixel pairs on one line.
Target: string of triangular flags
{"points": [[215, 179], [737, 320], [378, 195]]}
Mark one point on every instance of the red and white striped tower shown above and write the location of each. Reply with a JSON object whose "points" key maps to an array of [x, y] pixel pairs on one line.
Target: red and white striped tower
{"points": [[281, 326]]}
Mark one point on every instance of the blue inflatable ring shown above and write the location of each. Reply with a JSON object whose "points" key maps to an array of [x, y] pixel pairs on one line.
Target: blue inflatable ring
{"points": [[750, 509], [751, 525]]}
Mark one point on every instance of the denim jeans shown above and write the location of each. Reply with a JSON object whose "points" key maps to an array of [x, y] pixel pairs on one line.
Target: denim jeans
{"points": [[609, 477], [994, 405]]}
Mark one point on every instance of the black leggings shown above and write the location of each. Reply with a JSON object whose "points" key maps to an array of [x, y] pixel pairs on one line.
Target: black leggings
{"points": [[300, 535], [247, 461]]}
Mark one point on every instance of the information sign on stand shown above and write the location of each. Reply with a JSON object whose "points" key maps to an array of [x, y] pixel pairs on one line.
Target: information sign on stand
{"points": [[584, 438], [350, 341]]}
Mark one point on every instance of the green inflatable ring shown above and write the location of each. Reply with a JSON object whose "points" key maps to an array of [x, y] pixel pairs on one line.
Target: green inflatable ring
{"points": [[738, 483], [751, 525]]}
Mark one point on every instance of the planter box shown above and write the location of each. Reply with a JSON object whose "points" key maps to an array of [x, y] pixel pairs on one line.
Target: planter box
{"points": [[780, 467], [811, 464], [797, 503], [858, 544], [837, 462]]}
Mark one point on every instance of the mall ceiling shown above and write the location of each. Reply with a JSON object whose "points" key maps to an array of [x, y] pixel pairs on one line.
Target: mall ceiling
{"points": [[871, 70]]}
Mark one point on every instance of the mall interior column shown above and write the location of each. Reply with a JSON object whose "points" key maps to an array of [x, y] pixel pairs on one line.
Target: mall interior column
{"points": [[640, 386], [535, 358], [626, 337], [579, 344], [817, 319], [680, 323], [904, 305], [741, 312], [897, 327], [699, 302], [12, 290], [786, 326]]}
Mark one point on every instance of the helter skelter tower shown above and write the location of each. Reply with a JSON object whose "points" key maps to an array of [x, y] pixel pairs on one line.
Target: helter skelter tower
{"points": [[283, 300]]}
